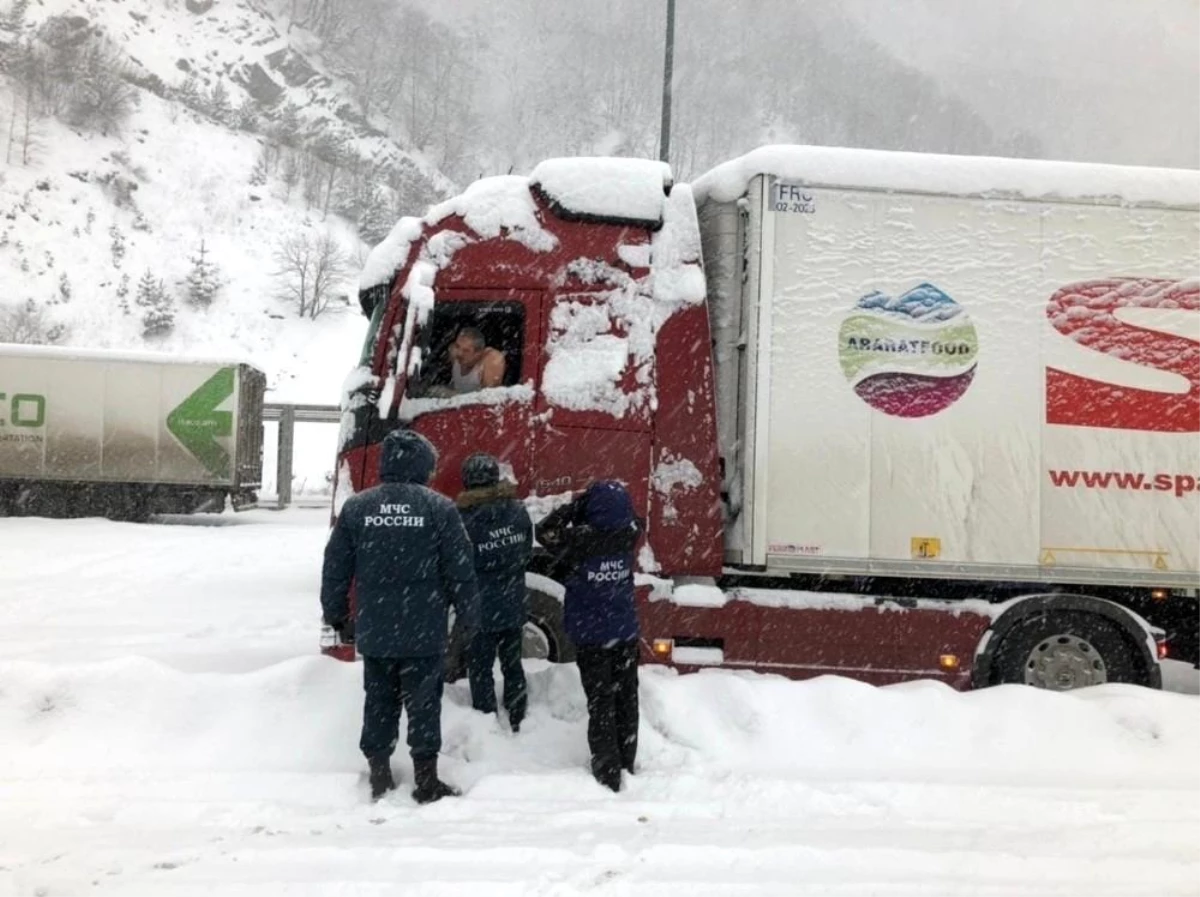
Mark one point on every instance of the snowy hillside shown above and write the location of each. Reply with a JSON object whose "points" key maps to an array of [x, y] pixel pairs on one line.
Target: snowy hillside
{"points": [[237, 138]]}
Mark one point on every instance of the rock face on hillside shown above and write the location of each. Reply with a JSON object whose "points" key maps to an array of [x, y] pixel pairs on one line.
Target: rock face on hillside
{"points": [[150, 146]]}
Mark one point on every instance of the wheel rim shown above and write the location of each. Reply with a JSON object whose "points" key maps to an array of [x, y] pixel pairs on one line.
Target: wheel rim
{"points": [[1063, 662], [534, 642]]}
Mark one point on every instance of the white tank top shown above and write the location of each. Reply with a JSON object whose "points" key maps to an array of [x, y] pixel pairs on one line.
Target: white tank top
{"points": [[471, 381]]}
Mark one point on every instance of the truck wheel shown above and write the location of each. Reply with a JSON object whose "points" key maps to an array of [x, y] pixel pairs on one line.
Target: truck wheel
{"points": [[545, 636], [128, 510], [1065, 650], [536, 642]]}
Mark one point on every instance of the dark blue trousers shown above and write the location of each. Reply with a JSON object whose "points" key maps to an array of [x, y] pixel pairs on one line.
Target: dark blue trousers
{"points": [[393, 684], [610, 681], [481, 656]]}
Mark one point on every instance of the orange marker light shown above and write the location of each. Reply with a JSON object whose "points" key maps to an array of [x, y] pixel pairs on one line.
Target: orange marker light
{"points": [[661, 647], [948, 662], [1159, 594]]}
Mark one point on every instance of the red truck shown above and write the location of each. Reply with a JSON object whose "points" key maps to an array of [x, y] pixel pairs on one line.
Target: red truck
{"points": [[887, 415]]}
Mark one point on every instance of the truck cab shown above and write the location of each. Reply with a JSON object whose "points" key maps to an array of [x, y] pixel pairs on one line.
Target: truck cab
{"points": [[575, 275]]}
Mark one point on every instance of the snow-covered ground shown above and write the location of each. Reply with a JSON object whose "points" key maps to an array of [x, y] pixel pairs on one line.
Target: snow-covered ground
{"points": [[166, 728]]}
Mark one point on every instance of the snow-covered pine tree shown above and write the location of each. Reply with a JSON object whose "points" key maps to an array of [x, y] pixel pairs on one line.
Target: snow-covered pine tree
{"points": [[158, 319], [117, 245], [289, 125], [123, 295], [218, 104], [245, 117], [14, 19], [189, 92], [203, 280], [145, 289], [258, 176], [375, 221]]}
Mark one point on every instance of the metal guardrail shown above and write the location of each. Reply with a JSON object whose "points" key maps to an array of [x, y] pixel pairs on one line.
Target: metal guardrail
{"points": [[288, 415]]}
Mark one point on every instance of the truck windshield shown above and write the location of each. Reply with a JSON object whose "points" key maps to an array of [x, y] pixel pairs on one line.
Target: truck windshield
{"points": [[372, 337]]}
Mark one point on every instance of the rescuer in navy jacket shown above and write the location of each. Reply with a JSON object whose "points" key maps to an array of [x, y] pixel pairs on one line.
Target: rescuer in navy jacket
{"points": [[502, 536], [594, 538], [406, 549]]}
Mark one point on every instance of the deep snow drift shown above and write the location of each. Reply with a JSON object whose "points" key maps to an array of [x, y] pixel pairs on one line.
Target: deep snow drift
{"points": [[166, 728]]}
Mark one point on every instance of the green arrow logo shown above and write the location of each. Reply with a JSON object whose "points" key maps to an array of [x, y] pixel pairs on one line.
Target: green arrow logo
{"points": [[197, 423]]}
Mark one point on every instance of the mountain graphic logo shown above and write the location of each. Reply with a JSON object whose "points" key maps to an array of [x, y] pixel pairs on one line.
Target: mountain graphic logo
{"points": [[911, 356]]}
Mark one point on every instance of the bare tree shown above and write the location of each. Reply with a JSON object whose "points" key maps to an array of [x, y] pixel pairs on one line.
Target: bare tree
{"points": [[11, 143], [328, 19], [310, 269], [28, 73], [27, 323], [291, 172], [31, 132], [100, 98]]}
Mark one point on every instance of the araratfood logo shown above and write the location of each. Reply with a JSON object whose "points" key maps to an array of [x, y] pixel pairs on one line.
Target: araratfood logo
{"points": [[909, 357]]}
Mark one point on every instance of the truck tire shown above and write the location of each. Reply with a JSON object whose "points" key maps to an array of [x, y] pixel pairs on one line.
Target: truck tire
{"points": [[130, 507], [545, 626], [1065, 650], [544, 637]]}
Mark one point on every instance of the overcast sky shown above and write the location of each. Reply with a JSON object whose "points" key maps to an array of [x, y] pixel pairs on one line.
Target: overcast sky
{"points": [[1097, 80], [1094, 80]]}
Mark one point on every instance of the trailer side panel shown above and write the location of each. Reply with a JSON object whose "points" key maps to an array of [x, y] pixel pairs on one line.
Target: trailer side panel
{"points": [[907, 347]]}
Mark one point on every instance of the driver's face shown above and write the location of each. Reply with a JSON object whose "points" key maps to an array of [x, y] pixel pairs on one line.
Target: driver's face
{"points": [[465, 352]]}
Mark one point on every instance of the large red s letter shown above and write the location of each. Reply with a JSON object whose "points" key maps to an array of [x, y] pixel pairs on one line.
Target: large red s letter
{"points": [[1085, 313]]}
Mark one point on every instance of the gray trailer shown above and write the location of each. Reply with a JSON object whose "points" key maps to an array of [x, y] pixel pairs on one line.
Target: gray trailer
{"points": [[121, 435]]}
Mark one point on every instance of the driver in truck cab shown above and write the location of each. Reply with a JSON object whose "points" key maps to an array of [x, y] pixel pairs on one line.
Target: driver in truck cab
{"points": [[473, 364], [407, 551], [592, 540]]}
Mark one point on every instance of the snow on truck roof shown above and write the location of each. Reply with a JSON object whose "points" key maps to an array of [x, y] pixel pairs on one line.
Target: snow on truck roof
{"points": [[489, 206], [598, 188], [606, 188], [827, 166], [71, 353]]}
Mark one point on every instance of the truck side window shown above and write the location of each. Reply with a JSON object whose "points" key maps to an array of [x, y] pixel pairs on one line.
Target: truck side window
{"points": [[464, 343]]}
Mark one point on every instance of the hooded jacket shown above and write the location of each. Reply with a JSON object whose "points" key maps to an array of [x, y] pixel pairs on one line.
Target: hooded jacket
{"points": [[594, 538], [502, 535], [406, 550]]}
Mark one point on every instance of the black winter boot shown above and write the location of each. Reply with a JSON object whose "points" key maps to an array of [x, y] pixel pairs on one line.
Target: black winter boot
{"points": [[429, 786], [606, 773], [381, 776]]}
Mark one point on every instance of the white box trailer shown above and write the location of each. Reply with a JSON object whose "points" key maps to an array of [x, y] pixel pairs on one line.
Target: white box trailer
{"points": [[126, 435], [937, 366]]}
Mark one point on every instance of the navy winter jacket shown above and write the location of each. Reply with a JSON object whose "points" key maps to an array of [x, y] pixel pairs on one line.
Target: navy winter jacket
{"points": [[502, 536], [594, 538], [406, 549]]}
